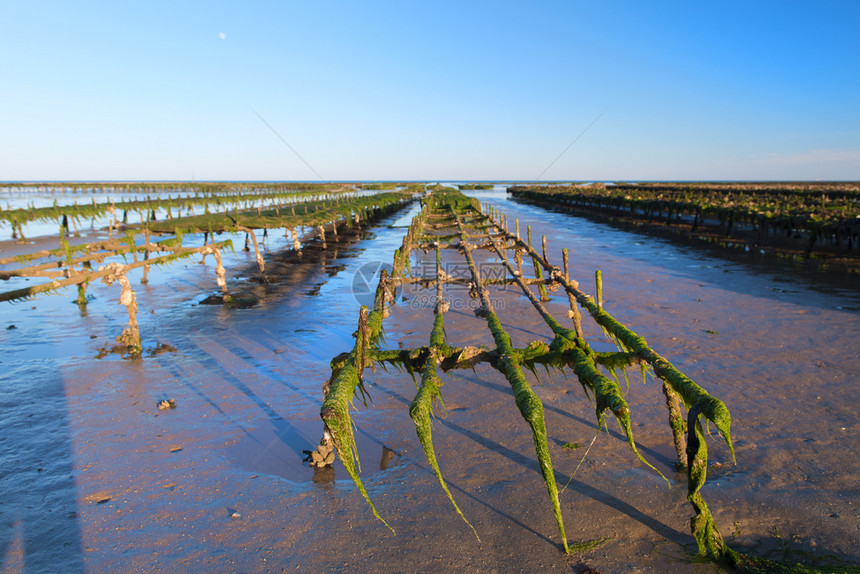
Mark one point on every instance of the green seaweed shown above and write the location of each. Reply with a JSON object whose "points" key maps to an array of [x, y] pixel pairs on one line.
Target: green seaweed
{"points": [[444, 209], [704, 529], [419, 412], [335, 413], [690, 392], [588, 545], [528, 403], [607, 393]]}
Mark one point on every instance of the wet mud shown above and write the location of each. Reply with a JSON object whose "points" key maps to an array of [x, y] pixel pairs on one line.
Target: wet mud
{"points": [[95, 477]]}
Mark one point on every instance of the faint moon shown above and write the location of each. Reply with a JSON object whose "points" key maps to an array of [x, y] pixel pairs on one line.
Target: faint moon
{"points": [[222, 35]]}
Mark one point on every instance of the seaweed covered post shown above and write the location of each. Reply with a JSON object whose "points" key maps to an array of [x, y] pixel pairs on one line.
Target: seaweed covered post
{"points": [[677, 424], [528, 403], [606, 391], [693, 396], [429, 389], [703, 526], [442, 210], [345, 381], [81, 300]]}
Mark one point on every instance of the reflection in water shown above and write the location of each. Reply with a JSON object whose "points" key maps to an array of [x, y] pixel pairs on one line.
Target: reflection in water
{"points": [[288, 340], [325, 475], [387, 456], [254, 374]]}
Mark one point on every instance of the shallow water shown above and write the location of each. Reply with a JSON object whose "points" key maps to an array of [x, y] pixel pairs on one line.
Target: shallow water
{"points": [[50, 375], [95, 478]]}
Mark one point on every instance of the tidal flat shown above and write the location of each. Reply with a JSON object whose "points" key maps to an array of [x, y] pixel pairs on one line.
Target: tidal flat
{"points": [[95, 477]]}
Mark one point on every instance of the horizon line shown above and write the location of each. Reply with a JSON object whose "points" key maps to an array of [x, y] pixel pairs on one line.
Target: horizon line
{"points": [[436, 180]]}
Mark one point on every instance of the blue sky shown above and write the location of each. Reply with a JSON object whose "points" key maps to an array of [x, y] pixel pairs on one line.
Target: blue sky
{"points": [[429, 91]]}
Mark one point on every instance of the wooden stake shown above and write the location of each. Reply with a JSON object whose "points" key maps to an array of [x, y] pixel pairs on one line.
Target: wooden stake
{"points": [[130, 337], [543, 243], [574, 310], [260, 263], [220, 275], [321, 231], [143, 279]]}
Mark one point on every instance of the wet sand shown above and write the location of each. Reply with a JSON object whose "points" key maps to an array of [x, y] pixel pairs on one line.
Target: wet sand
{"points": [[95, 478]]}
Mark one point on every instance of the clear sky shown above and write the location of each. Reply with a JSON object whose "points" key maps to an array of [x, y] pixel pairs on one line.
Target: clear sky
{"points": [[399, 90]]}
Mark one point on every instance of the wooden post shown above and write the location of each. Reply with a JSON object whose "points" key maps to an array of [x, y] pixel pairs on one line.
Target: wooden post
{"points": [[143, 279], [260, 263], [130, 337], [297, 245], [574, 310], [321, 231]]}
